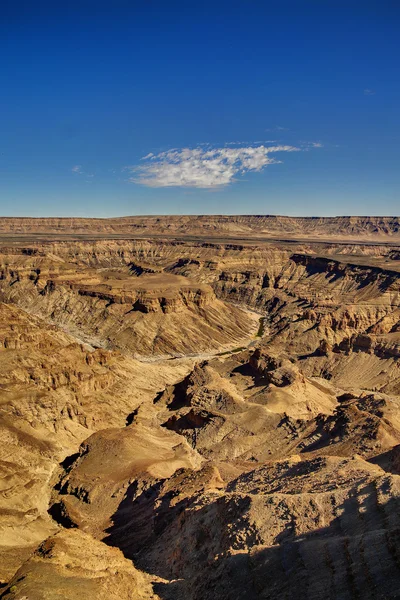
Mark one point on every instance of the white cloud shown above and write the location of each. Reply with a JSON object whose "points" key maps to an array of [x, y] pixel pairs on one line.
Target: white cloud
{"points": [[203, 167], [368, 92]]}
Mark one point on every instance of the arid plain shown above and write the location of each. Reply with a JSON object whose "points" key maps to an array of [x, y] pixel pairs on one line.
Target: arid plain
{"points": [[200, 407]]}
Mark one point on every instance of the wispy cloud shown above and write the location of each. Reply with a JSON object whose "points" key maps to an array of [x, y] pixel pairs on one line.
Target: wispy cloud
{"points": [[79, 171], [278, 128], [368, 92], [203, 167]]}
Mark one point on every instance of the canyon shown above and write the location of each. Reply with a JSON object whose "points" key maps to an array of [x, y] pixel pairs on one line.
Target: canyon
{"points": [[197, 407]]}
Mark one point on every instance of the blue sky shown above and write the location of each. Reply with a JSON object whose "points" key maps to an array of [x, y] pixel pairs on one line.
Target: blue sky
{"points": [[250, 106]]}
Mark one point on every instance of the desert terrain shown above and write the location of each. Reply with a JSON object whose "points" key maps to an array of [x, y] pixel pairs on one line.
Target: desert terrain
{"points": [[200, 407]]}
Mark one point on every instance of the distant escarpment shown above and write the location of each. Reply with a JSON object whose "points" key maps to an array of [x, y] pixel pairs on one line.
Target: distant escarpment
{"points": [[213, 225]]}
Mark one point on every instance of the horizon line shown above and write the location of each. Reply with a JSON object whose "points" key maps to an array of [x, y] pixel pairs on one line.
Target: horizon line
{"points": [[227, 215]]}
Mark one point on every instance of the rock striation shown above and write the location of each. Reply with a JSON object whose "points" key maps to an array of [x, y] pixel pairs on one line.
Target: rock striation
{"points": [[213, 225]]}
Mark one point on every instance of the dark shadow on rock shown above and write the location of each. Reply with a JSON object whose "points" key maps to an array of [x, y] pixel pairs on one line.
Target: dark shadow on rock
{"points": [[389, 461], [357, 556]]}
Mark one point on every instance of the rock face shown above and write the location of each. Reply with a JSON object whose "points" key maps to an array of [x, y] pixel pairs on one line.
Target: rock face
{"points": [[200, 419], [72, 565], [294, 519]]}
